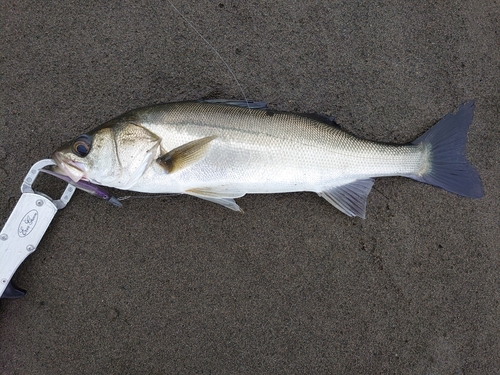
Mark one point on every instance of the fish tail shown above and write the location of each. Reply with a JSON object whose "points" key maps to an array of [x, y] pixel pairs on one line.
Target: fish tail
{"points": [[447, 165]]}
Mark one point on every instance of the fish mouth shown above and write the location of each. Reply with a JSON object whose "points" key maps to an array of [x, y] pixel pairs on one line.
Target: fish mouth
{"points": [[74, 170]]}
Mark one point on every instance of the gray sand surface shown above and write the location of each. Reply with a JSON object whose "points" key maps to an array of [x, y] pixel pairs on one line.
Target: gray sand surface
{"points": [[180, 285]]}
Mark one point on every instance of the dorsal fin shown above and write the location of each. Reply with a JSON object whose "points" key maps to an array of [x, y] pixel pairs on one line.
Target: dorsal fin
{"points": [[329, 120], [237, 103]]}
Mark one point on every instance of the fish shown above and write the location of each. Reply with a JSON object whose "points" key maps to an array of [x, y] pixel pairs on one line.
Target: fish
{"points": [[220, 150]]}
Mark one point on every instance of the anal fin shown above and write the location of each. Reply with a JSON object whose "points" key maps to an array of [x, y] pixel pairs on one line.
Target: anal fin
{"points": [[350, 198]]}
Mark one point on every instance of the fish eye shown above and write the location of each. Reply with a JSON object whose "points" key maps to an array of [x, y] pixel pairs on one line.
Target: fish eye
{"points": [[81, 146]]}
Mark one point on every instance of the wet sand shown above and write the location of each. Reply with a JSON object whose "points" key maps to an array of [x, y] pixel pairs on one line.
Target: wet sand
{"points": [[180, 285]]}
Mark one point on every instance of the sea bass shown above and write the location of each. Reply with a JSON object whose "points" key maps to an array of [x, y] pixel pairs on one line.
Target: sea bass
{"points": [[221, 150]]}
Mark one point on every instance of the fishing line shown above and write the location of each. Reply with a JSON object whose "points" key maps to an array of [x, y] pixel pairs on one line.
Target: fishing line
{"points": [[213, 49], [380, 192]]}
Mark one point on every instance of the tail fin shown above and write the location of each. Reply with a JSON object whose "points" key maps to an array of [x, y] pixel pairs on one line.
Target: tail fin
{"points": [[449, 168]]}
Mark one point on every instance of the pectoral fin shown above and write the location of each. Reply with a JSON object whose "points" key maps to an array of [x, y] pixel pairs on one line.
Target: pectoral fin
{"points": [[185, 155], [219, 196], [350, 198]]}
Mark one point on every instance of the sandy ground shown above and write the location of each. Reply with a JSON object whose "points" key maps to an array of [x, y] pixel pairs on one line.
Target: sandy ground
{"points": [[180, 285]]}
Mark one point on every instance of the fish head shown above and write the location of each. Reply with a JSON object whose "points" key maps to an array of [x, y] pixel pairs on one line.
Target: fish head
{"points": [[114, 155]]}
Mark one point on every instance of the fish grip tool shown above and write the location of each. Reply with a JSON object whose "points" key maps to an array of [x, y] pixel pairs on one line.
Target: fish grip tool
{"points": [[26, 226]]}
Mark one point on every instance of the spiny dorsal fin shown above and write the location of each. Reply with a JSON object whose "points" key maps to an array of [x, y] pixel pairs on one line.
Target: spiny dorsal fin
{"points": [[237, 103], [185, 155], [329, 120]]}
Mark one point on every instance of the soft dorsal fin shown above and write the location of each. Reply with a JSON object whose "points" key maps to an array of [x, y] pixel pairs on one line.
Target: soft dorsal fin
{"points": [[349, 198], [185, 155]]}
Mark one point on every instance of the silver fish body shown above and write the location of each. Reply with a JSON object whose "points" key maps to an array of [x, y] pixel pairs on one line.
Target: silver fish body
{"points": [[220, 152]]}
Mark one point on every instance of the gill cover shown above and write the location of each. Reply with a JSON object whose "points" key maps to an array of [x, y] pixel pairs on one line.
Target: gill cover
{"points": [[133, 151]]}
